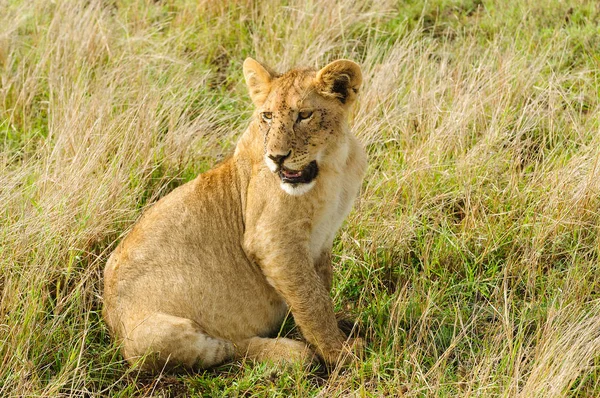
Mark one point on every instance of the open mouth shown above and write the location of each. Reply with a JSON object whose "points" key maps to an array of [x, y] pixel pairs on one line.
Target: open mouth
{"points": [[303, 176]]}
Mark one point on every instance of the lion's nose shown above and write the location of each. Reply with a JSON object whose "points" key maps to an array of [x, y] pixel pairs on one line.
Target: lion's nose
{"points": [[279, 159]]}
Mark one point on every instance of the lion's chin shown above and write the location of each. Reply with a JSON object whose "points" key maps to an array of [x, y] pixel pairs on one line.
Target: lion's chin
{"points": [[297, 189]]}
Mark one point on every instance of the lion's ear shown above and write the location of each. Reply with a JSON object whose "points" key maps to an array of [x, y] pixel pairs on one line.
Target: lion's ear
{"points": [[340, 79], [258, 79]]}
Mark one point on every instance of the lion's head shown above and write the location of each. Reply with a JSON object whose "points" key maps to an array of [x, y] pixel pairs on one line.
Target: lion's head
{"points": [[302, 117]]}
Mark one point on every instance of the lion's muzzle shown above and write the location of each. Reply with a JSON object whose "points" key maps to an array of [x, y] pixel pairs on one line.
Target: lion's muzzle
{"points": [[304, 176]]}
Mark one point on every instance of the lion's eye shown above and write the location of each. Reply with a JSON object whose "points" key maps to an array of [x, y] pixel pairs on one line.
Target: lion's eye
{"points": [[304, 115], [267, 116]]}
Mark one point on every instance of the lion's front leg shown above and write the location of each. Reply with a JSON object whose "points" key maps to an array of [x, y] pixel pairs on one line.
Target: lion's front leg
{"points": [[293, 275], [285, 260], [324, 269]]}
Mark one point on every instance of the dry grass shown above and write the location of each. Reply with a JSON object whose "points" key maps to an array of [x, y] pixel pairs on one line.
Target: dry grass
{"points": [[471, 258]]}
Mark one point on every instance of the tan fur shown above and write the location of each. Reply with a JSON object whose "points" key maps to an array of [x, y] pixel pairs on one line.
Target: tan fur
{"points": [[209, 272]]}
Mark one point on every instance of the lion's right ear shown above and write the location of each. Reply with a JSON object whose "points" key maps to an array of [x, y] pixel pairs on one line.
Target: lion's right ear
{"points": [[258, 79]]}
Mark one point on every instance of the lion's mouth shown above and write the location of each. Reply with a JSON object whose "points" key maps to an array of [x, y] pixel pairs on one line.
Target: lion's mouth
{"points": [[303, 176]]}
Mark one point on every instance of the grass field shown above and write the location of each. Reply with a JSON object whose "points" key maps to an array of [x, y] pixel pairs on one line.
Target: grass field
{"points": [[471, 258]]}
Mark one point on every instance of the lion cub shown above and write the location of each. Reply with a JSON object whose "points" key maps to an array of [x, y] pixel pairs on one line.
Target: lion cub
{"points": [[209, 272]]}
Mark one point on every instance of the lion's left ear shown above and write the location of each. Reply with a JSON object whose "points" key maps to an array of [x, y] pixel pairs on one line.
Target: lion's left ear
{"points": [[258, 79], [340, 79]]}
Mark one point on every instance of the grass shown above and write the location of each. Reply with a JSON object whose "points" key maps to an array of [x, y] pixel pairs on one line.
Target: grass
{"points": [[470, 259]]}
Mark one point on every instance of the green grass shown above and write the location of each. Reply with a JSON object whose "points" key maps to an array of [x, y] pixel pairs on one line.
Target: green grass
{"points": [[470, 259]]}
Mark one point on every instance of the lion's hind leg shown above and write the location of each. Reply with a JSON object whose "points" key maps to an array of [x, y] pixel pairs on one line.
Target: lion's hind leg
{"points": [[278, 350], [165, 341]]}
